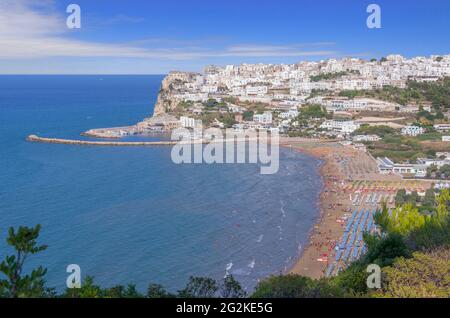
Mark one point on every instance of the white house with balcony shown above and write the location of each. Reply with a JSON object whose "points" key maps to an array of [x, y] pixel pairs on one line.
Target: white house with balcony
{"points": [[412, 131]]}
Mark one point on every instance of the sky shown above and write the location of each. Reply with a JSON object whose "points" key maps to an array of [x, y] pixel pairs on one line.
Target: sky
{"points": [[155, 37]]}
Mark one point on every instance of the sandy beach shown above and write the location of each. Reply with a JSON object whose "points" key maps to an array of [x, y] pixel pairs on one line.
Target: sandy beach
{"points": [[341, 166], [333, 205]]}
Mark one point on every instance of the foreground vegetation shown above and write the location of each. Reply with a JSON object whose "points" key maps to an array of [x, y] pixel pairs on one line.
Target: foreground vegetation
{"points": [[412, 248]]}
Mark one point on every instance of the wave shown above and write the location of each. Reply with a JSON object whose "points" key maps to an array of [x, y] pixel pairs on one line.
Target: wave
{"points": [[227, 268], [259, 240]]}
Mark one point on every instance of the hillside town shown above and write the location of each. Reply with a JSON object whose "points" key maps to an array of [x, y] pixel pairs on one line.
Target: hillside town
{"points": [[354, 101]]}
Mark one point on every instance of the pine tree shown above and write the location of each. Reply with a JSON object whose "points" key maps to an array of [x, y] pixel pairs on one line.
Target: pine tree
{"points": [[18, 284]]}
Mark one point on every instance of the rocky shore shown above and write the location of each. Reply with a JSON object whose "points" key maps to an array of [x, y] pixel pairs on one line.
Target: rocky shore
{"points": [[161, 121]]}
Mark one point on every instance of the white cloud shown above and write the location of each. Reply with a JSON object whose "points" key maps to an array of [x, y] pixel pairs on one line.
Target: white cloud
{"points": [[29, 31]]}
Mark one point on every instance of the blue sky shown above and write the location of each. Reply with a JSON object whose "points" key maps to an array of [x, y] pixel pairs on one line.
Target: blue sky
{"points": [[154, 37]]}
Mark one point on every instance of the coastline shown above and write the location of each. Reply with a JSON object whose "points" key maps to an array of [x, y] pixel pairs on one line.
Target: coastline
{"points": [[332, 204], [345, 171]]}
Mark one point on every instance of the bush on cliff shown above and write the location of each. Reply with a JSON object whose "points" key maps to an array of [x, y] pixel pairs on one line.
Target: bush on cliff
{"points": [[423, 275]]}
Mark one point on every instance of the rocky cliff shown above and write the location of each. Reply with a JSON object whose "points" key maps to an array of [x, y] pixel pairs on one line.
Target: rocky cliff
{"points": [[172, 85]]}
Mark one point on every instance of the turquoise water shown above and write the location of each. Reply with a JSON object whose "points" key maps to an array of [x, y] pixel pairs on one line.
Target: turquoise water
{"points": [[129, 215]]}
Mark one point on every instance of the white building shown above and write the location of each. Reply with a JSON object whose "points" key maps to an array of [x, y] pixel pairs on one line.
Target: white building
{"points": [[291, 113], [434, 162], [386, 166], [209, 89], [442, 127], [359, 104], [445, 138], [360, 138], [256, 90], [346, 127], [412, 131], [195, 97], [187, 122], [236, 109], [264, 118], [342, 104]]}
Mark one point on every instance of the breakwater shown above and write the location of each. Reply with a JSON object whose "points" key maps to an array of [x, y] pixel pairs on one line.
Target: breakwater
{"points": [[34, 138]]}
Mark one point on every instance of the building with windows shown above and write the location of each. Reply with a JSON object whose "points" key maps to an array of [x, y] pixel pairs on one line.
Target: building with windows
{"points": [[360, 138], [264, 118], [386, 166], [291, 113], [256, 90], [442, 127], [187, 122], [346, 127], [412, 131]]}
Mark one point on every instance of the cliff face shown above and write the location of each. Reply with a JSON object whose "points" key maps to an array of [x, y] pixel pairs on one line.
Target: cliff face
{"points": [[173, 84]]}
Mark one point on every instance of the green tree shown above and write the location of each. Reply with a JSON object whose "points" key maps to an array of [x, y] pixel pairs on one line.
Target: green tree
{"points": [[400, 196], [211, 103], [429, 199], [199, 287], [403, 219], [120, 291], [352, 280], [436, 230], [419, 230], [295, 286], [413, 198], [312, 111], [158, 291], [329, 76], [423, 275], [230, 288], [91, 290], [383, 250], [444, 171], [88, 290], [248, 115], [381, 130], [431, 169], [18, 284]]}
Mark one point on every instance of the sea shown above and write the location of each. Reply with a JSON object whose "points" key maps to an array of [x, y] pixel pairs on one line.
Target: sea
{"points": [[129, 215]]}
